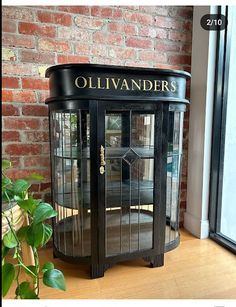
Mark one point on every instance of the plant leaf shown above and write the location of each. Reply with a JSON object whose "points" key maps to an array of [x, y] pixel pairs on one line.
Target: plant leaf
{"points": [[47, 231], [54, 279], [43, 212], [21, 186], [5, 181], [29, 204], [25, 292], [47, 266], [33, 269], [8, 274], [35, 235], [6, 164], [22, 233], [5, 250], [34, 176], [9, 240]]}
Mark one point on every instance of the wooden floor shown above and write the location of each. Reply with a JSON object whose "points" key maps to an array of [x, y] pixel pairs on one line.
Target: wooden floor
{"points": [[196, 269]]}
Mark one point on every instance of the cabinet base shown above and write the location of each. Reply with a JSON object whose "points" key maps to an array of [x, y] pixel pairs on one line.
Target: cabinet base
{"points": [[98, 270], [155, 261]]}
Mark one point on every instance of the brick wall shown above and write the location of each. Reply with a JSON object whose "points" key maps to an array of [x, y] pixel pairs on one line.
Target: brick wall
{"points": [[37, 37]]}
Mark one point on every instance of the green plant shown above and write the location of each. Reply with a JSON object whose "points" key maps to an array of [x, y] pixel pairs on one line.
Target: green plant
{"points": [[36, 234]]}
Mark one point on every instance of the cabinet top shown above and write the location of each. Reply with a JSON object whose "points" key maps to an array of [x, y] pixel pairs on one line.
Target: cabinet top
{"points": [[92, 81]]}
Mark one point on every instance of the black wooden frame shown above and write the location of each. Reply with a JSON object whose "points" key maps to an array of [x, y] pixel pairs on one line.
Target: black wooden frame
{"points": [[218, 134]]}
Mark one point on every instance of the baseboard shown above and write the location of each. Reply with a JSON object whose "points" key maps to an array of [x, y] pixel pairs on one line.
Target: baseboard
{"points": [[196, 226]]}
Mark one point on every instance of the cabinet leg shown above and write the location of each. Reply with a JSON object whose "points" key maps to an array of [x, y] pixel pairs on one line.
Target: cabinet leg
{"points": [[155, 261], [54, 255], [98, 270]]}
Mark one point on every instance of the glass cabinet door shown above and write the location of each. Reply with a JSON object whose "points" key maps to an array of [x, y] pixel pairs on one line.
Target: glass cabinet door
{"points": [[71, 181], [129, 156]]}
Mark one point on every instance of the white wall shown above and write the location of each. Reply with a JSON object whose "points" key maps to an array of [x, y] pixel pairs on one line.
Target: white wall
{"points": [[200, 129]]}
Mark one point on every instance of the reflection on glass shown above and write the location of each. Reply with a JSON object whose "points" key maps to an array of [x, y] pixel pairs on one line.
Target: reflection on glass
{"points": [[173, 174]]}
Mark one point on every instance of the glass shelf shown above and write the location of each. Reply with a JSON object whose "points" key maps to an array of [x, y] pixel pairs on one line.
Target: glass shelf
{"points": [[110, 152]]}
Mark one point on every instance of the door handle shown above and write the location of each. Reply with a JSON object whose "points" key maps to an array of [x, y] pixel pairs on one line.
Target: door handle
{"points": [[102, 160]]}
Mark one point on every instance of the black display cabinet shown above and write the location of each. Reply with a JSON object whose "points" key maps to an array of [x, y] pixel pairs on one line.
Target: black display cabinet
{"points": [[116, 146]]}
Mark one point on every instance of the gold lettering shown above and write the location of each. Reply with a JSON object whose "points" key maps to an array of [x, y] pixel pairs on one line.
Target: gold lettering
{"points": [[145, 85], [164, 86], [138, 86], [90, 83], [173, 86], [77, 82], [157, 85], [107, 83], [99, 84], [114, 83], [124, 84]]}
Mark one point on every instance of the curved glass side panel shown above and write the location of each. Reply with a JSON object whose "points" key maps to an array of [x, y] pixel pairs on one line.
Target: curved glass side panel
{"points": [[71, 181], [174, 157]]}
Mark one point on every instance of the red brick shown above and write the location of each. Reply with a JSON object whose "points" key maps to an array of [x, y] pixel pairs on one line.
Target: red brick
{"points": [[8, 25], [21, 123], [42, 96], [74, 34], [61, 59], [87, 22], [36, 84], [45, 186], [35, 110], [139, 42], [7, 95], [48, 44], [19, 174], [188, 26], [8, 136], [37, 30], [166, 46], [18, 13], [117, 13], [187, 48], [137, 64], [34, 188], [37, 161], [10, 82], [37, 57], [37, 136], [167, 66], [180, 59], [100, 50], [46, 149], [83, 48], [123, 28], [18, 69], [83, 10], [186, 12], [101, 11], [153, 32], [146, 55], [23, 96], [122, 53], [23, 149], [56, 18], [138, 17], [158, 10], [45, 124], [107, 38], [15, 40], [10, 110], [169, 23], [180, 36]]}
